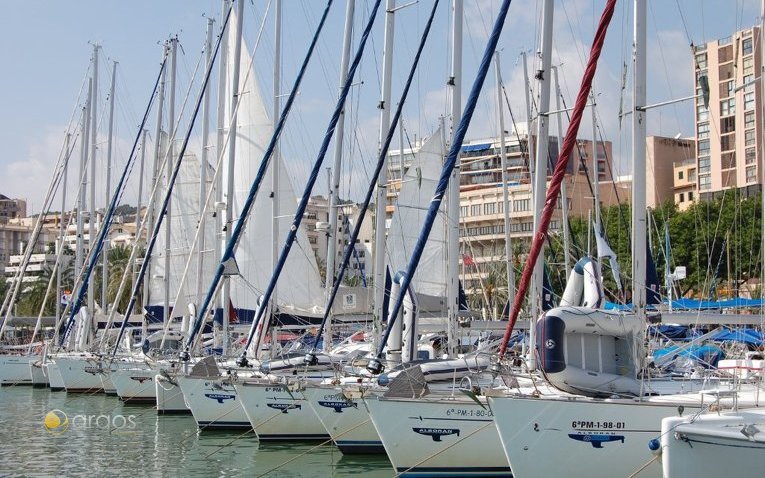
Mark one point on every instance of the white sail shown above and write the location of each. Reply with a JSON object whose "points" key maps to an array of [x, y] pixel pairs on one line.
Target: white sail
{"points": [[300, 285], [184, 218], [415, 196]]}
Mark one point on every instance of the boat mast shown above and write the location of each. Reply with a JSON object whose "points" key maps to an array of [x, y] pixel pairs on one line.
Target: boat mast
{"points": [[62, 230], [539, 173], [382, 179], [596, 187], [229, 198], [157, 161], [105, 254], [222, 127], [638, 162], [563, 192], [93, 145], [138, 222], [83, 178], [169, 173], [334, 193], [505, 180], [203, 163], [453, 194]]}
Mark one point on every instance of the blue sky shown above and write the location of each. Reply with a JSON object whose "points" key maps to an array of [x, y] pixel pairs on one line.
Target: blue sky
{"points": [[46, 52]]}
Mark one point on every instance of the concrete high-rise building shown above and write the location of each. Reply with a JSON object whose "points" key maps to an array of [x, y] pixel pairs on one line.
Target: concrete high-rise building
{"points": [[729, 127]]}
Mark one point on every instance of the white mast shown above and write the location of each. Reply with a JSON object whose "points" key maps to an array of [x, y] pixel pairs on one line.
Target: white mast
{"points": [[453, 203], [382, 179], [563, 192], [204, 163], [105, 270], [540, 164], [229, 198], [138, 222], [83, 175], [157, 161], [638, 162], [505, 195], [596, 184], [93, 144], [334, 193], [62, 229], [169, 172]]}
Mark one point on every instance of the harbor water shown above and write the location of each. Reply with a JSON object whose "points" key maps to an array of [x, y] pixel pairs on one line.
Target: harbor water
{"points": [[47, 433]]}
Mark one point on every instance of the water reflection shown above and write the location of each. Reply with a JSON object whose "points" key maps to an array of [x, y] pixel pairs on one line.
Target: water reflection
{"points": [[105, 437]]}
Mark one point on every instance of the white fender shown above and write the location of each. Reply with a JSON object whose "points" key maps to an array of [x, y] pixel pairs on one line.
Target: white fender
{"points": [[583, 281]]}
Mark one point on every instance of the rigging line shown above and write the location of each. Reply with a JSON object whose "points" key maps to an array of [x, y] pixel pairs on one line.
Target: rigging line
{"points": [[560, 167], [685, 25], [450, 162], [311, 180], [170, 183], [245, 210], [384, 147]]}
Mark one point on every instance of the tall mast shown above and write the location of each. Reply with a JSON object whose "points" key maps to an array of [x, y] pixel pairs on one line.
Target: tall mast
{"points": [[505, 195], [62, 228], [139, 205], [93, 144], [382, 179], [169, 172], [563, 192], [229, 199], [203, 163], [105, 253], [540, 163], [638, 162], [82, 179], [156, 176], [222, 125], [334, 193], [596, 185]]}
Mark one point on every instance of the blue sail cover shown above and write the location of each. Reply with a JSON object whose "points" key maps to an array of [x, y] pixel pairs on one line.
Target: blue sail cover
{"points": [[706, 355], [652, 281]]}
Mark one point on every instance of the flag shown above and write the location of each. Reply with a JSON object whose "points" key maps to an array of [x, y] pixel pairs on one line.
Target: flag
{"points": [[604, 250], [233, 318]]}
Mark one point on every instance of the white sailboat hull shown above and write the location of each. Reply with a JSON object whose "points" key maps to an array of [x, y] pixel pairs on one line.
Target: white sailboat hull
{"points": [[169, 396], [14, 369], [277, 414], [135, 384], [713, 445], [346, 420], [214, 403], [80, 372], [438, 437], [39, 379], [55, 380]]}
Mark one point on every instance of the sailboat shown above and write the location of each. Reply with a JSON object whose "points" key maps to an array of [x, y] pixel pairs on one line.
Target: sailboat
{"points": [[208, 390]]}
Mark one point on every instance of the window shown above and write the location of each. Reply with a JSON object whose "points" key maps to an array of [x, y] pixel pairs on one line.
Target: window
{"points": [[727, 142], [704, 164], [681, 197], [746, 46], [728, 107], [705, 183], [748, 66], [701, 61], [463, 211], [692, 175], [701, 113], [490, 208], [704, 147], [728, 124], [748, 83], [690, 195], [751, 156], [749, 138], [749, 119], [520, 205], [726, 89], [751, 174], [748, 101], [500, 207], [680, 175], [703, 131], [475, 210]]}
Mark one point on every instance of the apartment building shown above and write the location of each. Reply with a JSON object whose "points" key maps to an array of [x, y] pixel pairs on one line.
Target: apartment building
{"points": [[729, 122]]}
